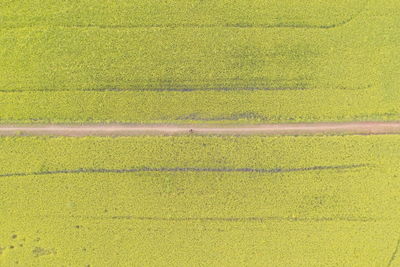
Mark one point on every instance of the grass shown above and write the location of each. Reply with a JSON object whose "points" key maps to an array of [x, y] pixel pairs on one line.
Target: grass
{"points": [[199, 61], [196, 107], [199, 200], [193, 13], [184, 200]]}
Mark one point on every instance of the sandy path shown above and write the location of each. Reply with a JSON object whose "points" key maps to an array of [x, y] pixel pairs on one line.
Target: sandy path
{"points": [[264, 129]]}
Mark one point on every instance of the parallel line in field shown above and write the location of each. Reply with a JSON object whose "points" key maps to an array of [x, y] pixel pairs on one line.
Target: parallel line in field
{"points": [[234, 219], [394, 254], [185, 89], [162, 89], [177, 169], [194, 26]]}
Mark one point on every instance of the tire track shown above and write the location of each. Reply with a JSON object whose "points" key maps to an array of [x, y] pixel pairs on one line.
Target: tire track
{"points": [[234, 219], [177, 169]]}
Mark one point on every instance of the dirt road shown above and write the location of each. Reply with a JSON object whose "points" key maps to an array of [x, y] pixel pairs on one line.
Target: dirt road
{"points": [[264, 129]]}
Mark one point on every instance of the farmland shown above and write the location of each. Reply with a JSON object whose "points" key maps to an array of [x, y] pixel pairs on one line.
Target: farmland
{"points": [[199, 133], [192, 200], [192, 13], [75, 62]]}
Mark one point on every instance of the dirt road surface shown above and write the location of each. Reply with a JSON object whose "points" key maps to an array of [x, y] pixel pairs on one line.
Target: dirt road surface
{"points": [[263, 129]]}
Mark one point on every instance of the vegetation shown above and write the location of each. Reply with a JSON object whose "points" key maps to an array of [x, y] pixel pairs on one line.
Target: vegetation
{"points": [[199, 61], [194, 200], [197, 107], [179, 13], [199, 200]]}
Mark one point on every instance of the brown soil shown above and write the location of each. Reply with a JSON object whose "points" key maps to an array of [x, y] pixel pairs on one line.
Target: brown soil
{"points": [[264, 129]]}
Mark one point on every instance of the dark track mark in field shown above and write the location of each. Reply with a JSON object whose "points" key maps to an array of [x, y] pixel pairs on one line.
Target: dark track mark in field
{"points": [[163, 89], [291, 25], [223, 80], [234, 219], [199, 26], [201, 89], [394, 254], [185, 89], [245, 170], [191, 85], [232, 117], [195, 26]]}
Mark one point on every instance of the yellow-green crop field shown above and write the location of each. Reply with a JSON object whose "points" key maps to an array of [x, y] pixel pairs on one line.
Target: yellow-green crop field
{"points": [[181, 61], [200, 201], [193, 200]]}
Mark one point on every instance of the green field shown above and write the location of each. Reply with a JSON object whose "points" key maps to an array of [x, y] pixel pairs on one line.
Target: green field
{"points": [[200, 201], [199, 61], [179, 13]]}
